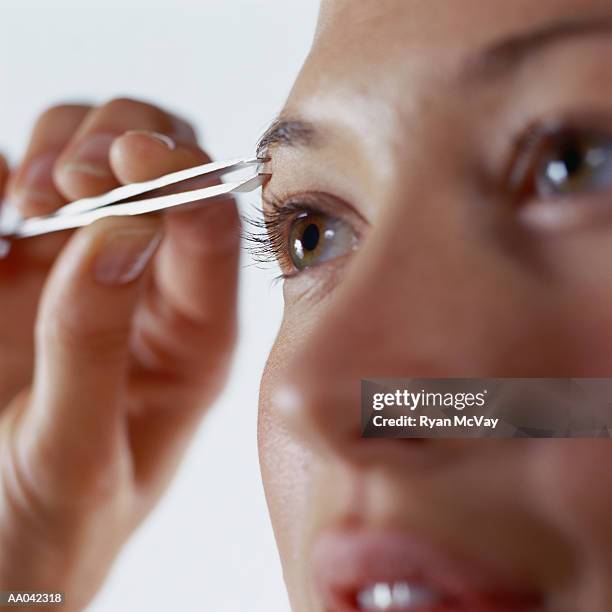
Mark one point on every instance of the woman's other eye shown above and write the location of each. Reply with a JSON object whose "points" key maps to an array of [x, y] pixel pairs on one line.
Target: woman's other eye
{"points": [[559, 162], [575, 163], [315, 238]]}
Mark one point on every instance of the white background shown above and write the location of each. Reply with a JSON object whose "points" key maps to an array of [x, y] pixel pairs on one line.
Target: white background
{"points": [[227, 65]]}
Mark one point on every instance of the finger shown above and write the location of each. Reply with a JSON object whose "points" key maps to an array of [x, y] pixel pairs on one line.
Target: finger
{"points": [[4, 174], [84, 168], [4, 177], [82, 343], [200, 253], [196, 270], [32, 190], [185, 331], [141, 155]]}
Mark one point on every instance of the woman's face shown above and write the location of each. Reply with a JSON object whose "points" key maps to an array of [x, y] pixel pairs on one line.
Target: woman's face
{"points": [[441, 206]]}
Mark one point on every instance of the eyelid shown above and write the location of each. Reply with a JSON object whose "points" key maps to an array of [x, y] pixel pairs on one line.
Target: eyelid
{"points": [[317, 201]]}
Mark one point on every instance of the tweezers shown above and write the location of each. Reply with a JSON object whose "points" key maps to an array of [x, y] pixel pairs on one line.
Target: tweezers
{"points": [[119, 202]]}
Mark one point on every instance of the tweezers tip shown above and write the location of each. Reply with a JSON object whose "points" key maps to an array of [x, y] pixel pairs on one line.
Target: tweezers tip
{"points": [[252, 183]]}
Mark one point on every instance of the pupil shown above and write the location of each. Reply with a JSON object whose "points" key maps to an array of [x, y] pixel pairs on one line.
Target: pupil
{"points": [[310, 237], [572, 159]]}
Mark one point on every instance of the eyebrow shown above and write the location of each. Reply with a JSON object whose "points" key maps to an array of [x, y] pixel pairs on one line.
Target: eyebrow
{"points": [[495, 60], [509, 53], [286, 131]]}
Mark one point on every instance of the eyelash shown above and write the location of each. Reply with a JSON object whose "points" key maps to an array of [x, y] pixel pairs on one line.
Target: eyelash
{"points": [[525, 148], [267, 231]]}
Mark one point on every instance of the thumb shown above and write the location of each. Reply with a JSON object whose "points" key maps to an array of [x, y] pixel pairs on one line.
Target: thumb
{"points": [[82, 344]]}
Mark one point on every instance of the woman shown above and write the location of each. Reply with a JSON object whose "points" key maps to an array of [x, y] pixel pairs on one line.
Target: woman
{"points": [[439, 206]]}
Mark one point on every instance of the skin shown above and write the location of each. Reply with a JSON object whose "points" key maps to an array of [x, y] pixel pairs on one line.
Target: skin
{"points": [[410, 143], [445, 283]]}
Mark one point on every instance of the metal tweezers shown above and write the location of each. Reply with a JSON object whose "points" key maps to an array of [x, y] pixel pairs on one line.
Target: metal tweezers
{"points": [[119, 202]]}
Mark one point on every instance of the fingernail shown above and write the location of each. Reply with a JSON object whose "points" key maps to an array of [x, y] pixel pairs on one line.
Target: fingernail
{"points": [[91, 156], [38, 173], [35, 184], [125, 255], [158, 136]]}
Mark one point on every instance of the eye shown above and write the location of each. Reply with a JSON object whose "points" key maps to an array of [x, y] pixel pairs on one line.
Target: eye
{"points": [[575, 163], [303, 231], [315, 238], [557, 162]]}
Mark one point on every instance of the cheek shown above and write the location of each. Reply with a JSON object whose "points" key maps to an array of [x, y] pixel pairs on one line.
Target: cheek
{"points": [[574, 483], [284, 474], [285, 465]]}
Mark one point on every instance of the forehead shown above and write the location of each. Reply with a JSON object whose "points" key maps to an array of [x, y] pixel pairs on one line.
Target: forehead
{"points": [[375, 40], [377, 65], [397, 25]]}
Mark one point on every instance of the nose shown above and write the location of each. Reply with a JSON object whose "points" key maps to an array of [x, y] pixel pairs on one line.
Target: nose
{"points": [[428, 295]]}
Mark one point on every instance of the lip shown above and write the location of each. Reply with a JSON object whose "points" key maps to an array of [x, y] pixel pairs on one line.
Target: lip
{"points": [[345, 561]]}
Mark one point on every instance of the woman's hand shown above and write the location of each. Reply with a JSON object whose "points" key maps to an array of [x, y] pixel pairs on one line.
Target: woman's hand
{"points": [[113, 342]]}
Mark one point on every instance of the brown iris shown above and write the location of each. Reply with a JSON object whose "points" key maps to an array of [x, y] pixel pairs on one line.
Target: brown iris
{"points": [[315, 238], [306, 238]]}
